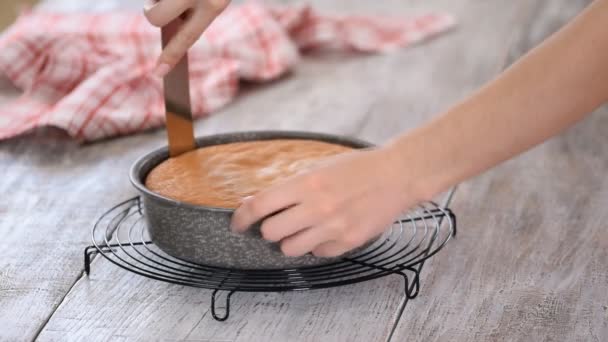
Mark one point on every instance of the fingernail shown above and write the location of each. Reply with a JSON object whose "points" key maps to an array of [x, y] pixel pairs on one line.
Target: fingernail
{"points": [[162, 70], [234, 228], [148, 4], [246, 198]]}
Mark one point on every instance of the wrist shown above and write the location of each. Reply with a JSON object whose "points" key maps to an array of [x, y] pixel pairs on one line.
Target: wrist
{"points": [[406, 173], [419, 163]]}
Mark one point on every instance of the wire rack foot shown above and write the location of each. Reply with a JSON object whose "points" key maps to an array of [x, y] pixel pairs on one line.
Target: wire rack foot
{"points": [[226, 308], [410, 291]]}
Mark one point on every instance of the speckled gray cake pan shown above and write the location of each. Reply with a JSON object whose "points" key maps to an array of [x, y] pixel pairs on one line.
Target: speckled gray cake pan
{"points": [[201, 234]]}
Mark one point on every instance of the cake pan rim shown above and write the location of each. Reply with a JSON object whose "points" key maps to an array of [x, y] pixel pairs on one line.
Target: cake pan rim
{"points": [[137, 177]]}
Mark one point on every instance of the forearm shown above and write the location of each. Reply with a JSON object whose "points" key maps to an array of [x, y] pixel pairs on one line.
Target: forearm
{"points": [[548, 90]]}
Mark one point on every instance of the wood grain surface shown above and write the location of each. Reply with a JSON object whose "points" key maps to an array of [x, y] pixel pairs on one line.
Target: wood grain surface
{"points": [[531, 259], [530, 263]]}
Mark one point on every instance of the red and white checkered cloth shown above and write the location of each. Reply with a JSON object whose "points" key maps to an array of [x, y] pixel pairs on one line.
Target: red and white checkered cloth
{"points": [[90, 74]]}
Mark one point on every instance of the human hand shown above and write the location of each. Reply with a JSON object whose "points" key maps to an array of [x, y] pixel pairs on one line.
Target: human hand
{"points": [[197, 16], [333, 208]]}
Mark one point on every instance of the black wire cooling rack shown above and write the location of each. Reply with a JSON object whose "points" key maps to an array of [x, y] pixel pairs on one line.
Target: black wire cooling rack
{"points": [[120, 236]]}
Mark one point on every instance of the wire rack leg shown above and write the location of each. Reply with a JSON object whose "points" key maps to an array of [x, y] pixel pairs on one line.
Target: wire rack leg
{"points": [[93, 250], [453, 218], [226, 308], [88, 252], [412, 291]]}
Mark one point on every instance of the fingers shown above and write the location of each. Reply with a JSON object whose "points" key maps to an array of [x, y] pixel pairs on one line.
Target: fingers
{"points": [[344, 241], [187, 35], [288, 222], [201, 15], [330, 249], [326, 240], [262, 205], [161, 13], [304, 241]]}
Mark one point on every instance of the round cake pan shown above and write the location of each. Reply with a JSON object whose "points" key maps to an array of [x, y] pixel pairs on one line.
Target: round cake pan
{"points": [[201, 234]]}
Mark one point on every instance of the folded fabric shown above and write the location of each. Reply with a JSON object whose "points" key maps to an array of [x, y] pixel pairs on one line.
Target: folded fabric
{"points": [[90, 74]]}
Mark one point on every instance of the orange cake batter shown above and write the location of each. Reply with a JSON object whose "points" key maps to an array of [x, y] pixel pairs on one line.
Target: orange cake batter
{"points": [[221, 175]]}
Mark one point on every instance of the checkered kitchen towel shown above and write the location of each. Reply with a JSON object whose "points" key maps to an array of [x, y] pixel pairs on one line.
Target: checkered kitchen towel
{"points": [[90, 74]]}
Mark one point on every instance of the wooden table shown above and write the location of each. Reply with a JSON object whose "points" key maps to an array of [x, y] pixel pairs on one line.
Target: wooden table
{"points": [[530, 262], [9, 9]]}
